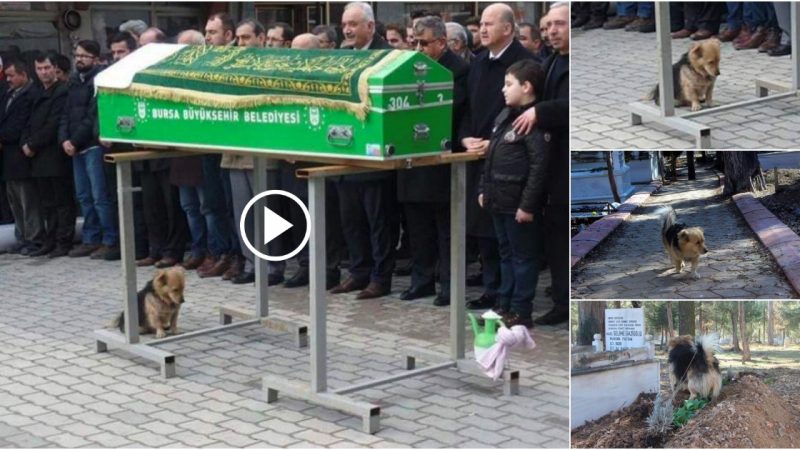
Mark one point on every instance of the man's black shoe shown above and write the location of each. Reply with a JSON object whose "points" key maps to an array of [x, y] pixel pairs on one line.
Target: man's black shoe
{"points": [[43, 250], [274, 279], [781, 50], [554, 317], [244, 278], [511, 319], [441, 300], [485, 302], [299, 279], [416, 292]]}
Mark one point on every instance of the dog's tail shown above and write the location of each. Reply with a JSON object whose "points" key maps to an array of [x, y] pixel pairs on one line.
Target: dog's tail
{"points": [[118, 322], [652, 95], [667, 216], [705, 346]]}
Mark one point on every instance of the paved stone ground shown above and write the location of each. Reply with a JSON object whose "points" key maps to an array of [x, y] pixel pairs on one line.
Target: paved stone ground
{"points": [[611, 68], [632, 263], [55, 391]]}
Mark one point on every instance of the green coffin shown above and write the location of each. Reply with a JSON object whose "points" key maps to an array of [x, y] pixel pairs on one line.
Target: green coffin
{"points": [[376, 105]]}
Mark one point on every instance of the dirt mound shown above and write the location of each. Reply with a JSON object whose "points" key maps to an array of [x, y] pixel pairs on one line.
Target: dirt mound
{"points": [[626, 428], [746, 414]]}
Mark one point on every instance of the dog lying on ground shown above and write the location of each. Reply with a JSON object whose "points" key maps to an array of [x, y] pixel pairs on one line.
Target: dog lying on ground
{"points": [[692, 366], [693, 76], [158, 303], [682, 243]]}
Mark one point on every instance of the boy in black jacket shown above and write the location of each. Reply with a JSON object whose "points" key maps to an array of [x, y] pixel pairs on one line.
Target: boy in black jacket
{"points": [[513, 190]]}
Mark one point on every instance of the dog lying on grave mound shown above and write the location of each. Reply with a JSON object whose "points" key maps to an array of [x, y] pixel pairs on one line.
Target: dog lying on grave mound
{"points": [[159, 303]]}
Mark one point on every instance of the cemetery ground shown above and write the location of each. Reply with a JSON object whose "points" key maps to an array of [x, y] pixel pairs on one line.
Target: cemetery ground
{"points": [[757, 408], [57, 391], [612, 68], [632, 264]]}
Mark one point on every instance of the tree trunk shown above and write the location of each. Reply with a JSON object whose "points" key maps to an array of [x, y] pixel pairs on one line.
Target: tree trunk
{"points": [[611, 181], [690, 165], [739, 168], [770, 323], [616, 304], [735, 334], [686, 318], [700, 325], [743, 330], [594, 314], [670, 328]]}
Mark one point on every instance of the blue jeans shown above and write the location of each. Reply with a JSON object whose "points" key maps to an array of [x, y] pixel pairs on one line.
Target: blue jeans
{"points": [[521, 248], [213, 205], [93, 193], [734, 19], [190, 202], [758, 14], [645, 10]]}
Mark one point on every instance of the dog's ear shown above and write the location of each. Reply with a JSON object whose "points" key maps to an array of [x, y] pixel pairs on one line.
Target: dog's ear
{"points": [[683, 235], [697, 50], [161, 277]]}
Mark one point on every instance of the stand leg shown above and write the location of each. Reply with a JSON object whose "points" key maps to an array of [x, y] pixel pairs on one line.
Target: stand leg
{"points": [[317, 267], [458, 244], [128, 251]]}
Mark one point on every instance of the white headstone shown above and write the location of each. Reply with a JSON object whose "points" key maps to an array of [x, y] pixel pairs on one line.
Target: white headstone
{"points": [[624, 328]]}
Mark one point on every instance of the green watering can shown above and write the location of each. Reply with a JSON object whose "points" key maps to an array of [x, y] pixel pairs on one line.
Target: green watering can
{"points": [[485, 338]]}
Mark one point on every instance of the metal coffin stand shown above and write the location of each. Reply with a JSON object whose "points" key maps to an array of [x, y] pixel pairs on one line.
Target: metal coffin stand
{"points": [[665, 114], [129, 341], [318, 392]]}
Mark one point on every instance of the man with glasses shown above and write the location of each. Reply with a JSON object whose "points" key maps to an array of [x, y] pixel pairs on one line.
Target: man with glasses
{"points": [[425, 191], [280, 35], [79, 137]]}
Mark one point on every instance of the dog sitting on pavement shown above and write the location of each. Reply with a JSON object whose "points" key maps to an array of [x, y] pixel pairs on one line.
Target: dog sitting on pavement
{"points": [[159, 303]]}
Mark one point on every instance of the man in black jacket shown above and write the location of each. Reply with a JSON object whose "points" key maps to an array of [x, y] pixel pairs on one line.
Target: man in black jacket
{"points": [[485, 84], [15, 111], [552, 114], [51, 168], [425, 191], [368, 202], [79, 138]]}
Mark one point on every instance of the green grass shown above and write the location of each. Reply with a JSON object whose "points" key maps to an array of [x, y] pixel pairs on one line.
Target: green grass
{"points": [[762, 357]]}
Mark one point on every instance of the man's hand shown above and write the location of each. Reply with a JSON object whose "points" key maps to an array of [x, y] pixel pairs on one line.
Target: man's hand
{"points": [[476, 145], [523, 217], [69, 149], [28, 152], [480, 200], [525, 122]]}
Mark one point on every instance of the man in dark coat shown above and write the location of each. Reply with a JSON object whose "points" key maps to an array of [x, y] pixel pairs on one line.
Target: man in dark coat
{"points": [[552, 114], [368, 202], [15, 111], [79, 137], [51, 168], [485, 84], [425, 191]]}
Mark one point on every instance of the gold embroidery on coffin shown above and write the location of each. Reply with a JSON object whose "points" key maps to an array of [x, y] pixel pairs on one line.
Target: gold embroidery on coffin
{"points": [[332, 64]]}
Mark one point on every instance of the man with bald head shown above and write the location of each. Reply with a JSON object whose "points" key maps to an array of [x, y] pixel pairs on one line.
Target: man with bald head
{"points": [[152, 35], [191, 37], [484, 84], [306, 41]]}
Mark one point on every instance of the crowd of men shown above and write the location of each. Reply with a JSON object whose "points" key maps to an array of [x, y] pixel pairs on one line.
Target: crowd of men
{"points": [[765, 26], [52, 155]]}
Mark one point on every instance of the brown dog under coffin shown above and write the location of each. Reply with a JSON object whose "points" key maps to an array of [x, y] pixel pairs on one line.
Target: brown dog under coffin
{"points": [[159, 303], [694, 75]]}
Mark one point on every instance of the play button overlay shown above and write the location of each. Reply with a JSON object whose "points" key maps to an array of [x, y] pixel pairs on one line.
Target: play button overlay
{"points": [[274, 225]]}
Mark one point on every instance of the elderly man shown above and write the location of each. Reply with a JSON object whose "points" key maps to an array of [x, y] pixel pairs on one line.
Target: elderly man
{"points": [[152, 35], [485, 84], [191, 37], [368, 202], [425, 191], [457, 41], [552, 113]]}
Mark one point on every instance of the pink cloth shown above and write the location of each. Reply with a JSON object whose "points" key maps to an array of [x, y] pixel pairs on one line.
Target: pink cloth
{"points": [[494, 360]]}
